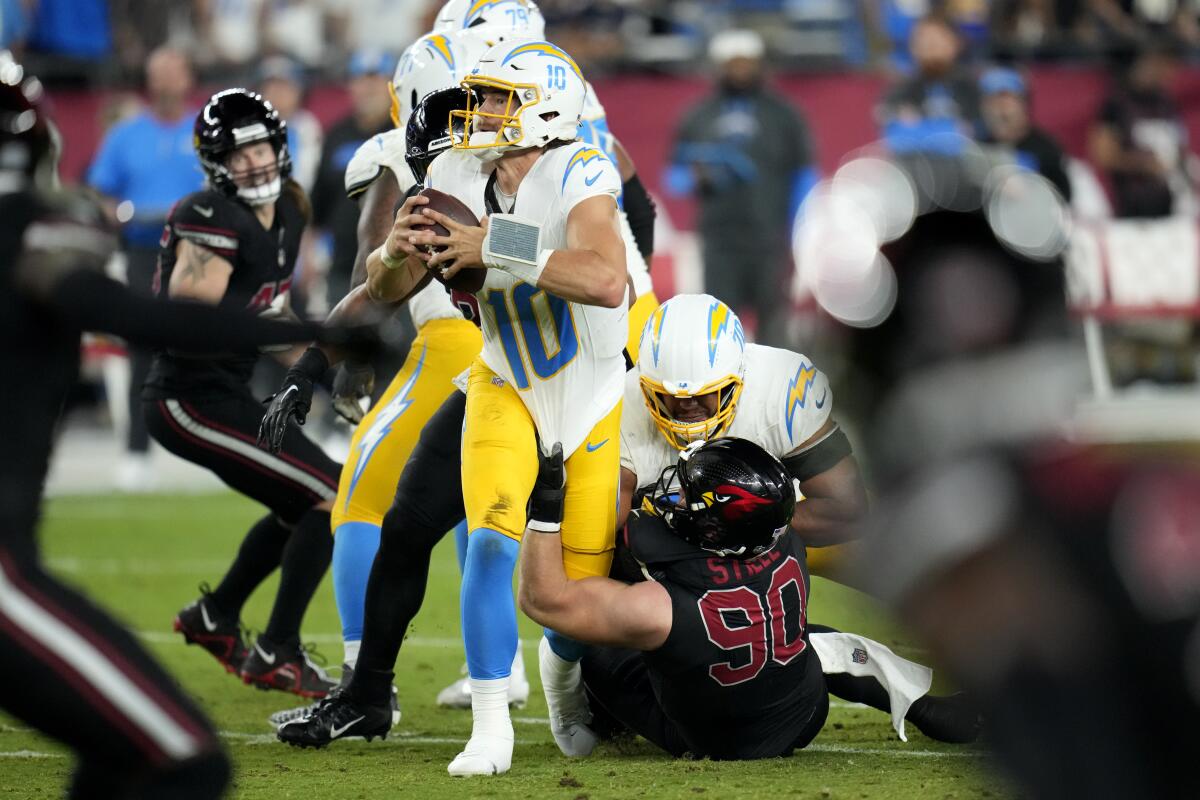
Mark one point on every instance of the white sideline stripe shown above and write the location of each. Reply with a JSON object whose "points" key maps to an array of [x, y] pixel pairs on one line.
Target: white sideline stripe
{"points": [[136, 566], [91, 665], [165, 637], [31, 754], [247, 450], [879, 751], [412, 738]]}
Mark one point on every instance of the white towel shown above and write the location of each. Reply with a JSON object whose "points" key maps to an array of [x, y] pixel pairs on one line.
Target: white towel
{"points": [[905, 681]]}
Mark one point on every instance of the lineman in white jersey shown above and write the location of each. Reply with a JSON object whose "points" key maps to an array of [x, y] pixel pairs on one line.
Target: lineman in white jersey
{"points": [[698, 379], [554, 320]]}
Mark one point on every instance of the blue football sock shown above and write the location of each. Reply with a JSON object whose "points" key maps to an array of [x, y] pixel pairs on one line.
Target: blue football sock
{"points": [[460, 545], [489, 613], [354, 548], [563, 647]]}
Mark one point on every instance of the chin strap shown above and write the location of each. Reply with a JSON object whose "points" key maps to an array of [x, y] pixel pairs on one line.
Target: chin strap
{"points": [[262, 194]]}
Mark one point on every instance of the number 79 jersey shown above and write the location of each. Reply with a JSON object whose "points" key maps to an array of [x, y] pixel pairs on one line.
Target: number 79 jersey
{"points": [[563, 358]]}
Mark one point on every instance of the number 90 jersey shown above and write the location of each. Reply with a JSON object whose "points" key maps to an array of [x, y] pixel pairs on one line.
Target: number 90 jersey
{"points": [[785, 400], [564, 358]]}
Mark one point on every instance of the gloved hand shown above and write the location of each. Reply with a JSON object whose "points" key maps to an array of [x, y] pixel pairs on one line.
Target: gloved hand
{"points": [[293, 399], [355, 380], [549, 491]]}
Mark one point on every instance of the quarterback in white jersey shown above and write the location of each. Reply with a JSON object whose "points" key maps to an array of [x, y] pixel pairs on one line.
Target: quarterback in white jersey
{"points": [[697, 378], [554, 320]]}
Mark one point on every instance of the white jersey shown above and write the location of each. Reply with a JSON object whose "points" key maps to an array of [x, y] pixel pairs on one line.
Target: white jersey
{"points": [[593, 130], [366, 166], [784, 401], [564, 358]]}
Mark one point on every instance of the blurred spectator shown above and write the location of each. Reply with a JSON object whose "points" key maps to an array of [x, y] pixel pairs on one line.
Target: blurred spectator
{"points": [[1140, 141], [143, 166], [1006, 125], [894, 22], [14, 25], [371, 103], [1038, 27], [1125, 23], [746, 155], [228, 35], [296, 28], [587, 29], [389, 25], [940, 98], [281, 83], [70, 40], [139, 26]]}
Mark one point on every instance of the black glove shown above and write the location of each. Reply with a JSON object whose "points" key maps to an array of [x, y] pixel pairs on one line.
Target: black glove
{"points": [[354, 381], [546, 501], [293, 399]]}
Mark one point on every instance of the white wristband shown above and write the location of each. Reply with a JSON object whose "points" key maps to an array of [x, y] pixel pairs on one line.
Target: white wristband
{"points": [[387, 261], [513, 245], [538, 526]]}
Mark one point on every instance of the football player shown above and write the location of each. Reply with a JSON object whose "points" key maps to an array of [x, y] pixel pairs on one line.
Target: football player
{"points": [[554, 331], [234, 244], [697, 378], [707, 649], [506, 20], [445, 345], [84, 679]]}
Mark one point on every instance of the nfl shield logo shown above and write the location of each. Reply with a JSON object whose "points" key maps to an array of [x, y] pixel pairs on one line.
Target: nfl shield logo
{"points": [[859, 656]]}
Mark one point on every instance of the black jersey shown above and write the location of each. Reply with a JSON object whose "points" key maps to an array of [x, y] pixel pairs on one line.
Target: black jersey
{"points": [[262, 261], [735, 674], [39, 355]]}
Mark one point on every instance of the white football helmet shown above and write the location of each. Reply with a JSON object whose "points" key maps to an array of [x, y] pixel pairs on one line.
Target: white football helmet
{"points": [[435, 61], [692, 345], [545, 98], [492, 20]]}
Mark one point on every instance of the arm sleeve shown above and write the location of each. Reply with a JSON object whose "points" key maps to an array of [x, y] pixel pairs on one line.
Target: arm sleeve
{"points": [[818, 457], [640, 211], [90, 301], [204, 219]]}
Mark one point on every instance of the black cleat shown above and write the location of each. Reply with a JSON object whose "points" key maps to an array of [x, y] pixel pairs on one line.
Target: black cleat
{"points": [[285, 668], [337, 717], [951, 718], [203, 624], [281, 718]]}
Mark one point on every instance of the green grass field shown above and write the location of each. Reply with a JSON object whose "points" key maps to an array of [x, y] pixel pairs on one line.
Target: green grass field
{"points": [[142, 559]]}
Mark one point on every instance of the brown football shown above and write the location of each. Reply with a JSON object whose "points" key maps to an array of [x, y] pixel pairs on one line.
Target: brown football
{"points": [[467, 280]]}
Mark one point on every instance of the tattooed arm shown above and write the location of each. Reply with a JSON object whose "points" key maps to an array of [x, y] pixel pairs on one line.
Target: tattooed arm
{"points": [[199, 274]]}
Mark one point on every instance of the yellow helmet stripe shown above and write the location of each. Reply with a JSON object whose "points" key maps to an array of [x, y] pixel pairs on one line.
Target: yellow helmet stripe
{"points": [[545, 49]]}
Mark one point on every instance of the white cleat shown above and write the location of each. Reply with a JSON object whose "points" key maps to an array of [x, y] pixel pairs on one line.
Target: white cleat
{"points": [[483, 755], [570, 714]]}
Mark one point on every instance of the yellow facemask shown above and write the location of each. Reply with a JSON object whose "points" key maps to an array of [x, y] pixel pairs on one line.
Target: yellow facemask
{"points": [[511, 133], [680, 434]]}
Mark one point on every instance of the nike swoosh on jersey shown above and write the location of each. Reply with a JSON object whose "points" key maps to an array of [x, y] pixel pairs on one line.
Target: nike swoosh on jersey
{"points": [[821, 403], [202, 211], [593, 179], [591, 448], [267, 657], [209, 625], [336, 732]]}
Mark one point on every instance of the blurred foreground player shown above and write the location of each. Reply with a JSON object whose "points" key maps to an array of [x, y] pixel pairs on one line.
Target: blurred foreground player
{"points": [[234, 245], [1055, 577], [85, 680], [704, 645]]}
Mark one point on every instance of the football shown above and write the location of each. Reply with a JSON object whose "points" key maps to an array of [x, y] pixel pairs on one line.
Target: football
{"points": [[468, 280]]}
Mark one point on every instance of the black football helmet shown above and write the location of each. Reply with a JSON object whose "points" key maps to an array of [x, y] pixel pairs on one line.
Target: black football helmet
{"points": [[28, 141], [234, 118], [431, 130], [727, 496]]}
